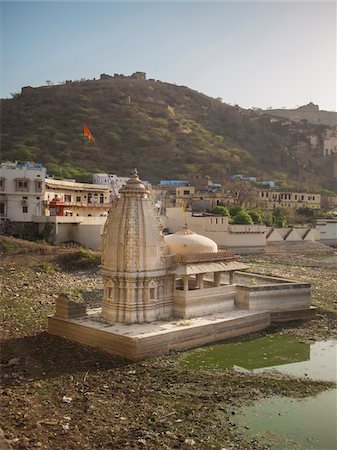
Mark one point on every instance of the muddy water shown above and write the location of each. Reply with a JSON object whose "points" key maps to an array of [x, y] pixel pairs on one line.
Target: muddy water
{"points": [[283, 423], [286, 423]]}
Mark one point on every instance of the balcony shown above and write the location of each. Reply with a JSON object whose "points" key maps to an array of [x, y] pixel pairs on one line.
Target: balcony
{"points": [[81, 204], [22, 184]]}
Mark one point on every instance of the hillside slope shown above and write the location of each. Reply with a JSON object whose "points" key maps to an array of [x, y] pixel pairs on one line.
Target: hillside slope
{"points": [[165, 130], [309, 112]]}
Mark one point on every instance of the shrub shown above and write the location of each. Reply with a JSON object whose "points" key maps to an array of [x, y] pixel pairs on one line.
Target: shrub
{"points": [[243, 218], [81, 259], [257, 217], [234, 210], [221, 210]]}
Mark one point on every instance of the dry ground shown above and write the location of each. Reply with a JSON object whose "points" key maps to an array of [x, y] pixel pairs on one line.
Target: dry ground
{"points": [[60, 395]]}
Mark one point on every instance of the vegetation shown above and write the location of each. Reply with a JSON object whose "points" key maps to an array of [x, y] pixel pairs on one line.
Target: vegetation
{"points": [[243, 218], [192, 133], [81, 259], [220, 210]]}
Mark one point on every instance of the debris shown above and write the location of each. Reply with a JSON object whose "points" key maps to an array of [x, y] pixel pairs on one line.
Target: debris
{"points": [[67, 399]]}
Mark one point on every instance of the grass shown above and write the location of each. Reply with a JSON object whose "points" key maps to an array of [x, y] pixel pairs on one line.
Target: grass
{"points": [[81, 259]]}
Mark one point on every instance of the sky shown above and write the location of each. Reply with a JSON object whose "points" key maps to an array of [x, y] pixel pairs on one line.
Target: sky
{"points": [[254, 54]]}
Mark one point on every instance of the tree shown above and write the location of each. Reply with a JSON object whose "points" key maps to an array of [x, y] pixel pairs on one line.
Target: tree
{"points": [[221, 210], [242, 191], [243, 218], [306, 211], [234, 210], [280, 217], [256, 216]]}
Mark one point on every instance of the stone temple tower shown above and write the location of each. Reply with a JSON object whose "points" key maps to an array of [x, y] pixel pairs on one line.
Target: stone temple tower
{"points": [[137, 287]]}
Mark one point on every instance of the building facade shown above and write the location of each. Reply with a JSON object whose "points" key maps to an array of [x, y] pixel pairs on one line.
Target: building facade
{"points": [[22, 187], [272, 198], [112, 181], [79, 199]]}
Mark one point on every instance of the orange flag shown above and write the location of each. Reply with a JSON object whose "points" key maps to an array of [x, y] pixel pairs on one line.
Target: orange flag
{"points": [[86, 132]]}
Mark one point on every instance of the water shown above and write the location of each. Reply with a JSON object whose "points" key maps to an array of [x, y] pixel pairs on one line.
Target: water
{"points": [[284, 423], [286, 354]]}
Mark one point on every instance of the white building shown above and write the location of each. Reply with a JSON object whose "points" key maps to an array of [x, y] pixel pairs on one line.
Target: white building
{"points": [[114, 182], [242, 238], [328, 231], [22, 187]]}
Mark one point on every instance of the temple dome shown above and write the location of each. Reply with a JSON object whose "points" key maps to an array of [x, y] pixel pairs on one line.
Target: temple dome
{"points": [[186, 241]]}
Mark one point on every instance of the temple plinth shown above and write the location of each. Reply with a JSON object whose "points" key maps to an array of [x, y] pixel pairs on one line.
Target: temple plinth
{"points": [[172, 292]]}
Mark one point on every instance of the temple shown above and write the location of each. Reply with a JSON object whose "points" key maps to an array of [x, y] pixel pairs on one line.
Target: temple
{"points": [[171, 292]]}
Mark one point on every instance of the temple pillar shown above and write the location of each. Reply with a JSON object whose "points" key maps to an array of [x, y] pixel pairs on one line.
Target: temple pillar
{"points": [[185, 278], [231, 277], [217, 277], [200, 280]]}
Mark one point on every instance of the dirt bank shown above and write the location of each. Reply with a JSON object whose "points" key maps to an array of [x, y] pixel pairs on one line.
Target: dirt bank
{"points": [[57, 394]]}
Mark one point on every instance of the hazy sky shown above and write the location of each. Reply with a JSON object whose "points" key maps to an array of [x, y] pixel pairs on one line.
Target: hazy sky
{"points": [[250, 53]]}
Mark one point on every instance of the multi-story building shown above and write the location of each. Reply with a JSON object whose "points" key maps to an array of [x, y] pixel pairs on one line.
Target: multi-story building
{"points": [[79, 199], [265, 199], [22, 187], [271, 198], [114, 182], [26, 193]]}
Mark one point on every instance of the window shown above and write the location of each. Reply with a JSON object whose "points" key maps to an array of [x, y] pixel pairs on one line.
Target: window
{"points": [[186, 192], [2, 208], [22, 184], [152, 293], [25, 209], [67, 198], [38, 185], [78, 198], [2, 184], [101, 198]]}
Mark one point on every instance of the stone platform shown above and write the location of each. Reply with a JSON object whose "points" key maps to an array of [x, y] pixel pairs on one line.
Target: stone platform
{"points": [[137, 341]]}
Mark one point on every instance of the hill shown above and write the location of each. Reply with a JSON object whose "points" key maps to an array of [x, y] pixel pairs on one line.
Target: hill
{"points": [[165, 130], [309, 112]]}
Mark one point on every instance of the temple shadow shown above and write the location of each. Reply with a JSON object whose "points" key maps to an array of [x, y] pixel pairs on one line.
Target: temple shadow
{"points": [[47, 356]]}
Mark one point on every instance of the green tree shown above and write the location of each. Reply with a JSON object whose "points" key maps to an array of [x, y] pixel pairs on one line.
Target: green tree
{"points": [[256, 216], [234, 210], [306, 211], [243, 218], [221, 210]]}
